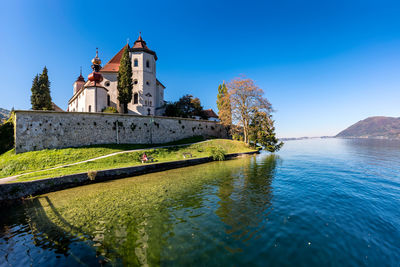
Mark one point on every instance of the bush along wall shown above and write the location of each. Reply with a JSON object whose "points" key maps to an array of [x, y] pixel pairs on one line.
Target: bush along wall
{"points": [[7, 135]]}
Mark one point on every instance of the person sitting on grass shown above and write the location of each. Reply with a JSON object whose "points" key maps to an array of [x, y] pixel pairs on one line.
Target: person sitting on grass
{"points": [[144, 158]]}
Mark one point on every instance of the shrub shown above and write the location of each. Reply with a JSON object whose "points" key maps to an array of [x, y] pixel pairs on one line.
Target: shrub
{"points": [[109, 110], [217, 153], [237, 137], [7, 135], [92, 175]]}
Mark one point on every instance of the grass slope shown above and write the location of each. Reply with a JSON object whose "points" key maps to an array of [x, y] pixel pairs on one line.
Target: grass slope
{"points": [[13, 164], [204, 149]]}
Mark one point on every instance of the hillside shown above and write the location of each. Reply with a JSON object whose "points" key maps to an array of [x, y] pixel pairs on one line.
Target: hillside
{"points": [[374, 127], [4, 113]]}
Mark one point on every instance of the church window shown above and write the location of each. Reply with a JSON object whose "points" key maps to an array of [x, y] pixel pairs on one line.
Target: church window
{"points": [[90, 108], [107, 83], [108, 100], [148, 64], [147, 83], [150, 103], [135, 62], [135, 98], [145, 103], [135, 82]]}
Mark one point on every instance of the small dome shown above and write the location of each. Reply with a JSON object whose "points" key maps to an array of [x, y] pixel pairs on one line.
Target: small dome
{"points": [[96, 60]]}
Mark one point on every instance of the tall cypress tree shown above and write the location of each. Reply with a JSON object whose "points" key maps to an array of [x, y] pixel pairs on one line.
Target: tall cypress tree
{"points": [[35, 97], [224, 105], [44, 89], [125, 85]]}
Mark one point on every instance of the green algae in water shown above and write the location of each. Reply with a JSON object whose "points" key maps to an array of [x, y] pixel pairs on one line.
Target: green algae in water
{"points": [[143, 220]]}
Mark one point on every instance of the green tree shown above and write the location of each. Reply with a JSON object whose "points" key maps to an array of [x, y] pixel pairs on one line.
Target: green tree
{"points": [[185, 107], [262, 131], [44, 91], [35, 96], [224, 105], [125, 85], [172, 110], [41, 98]]}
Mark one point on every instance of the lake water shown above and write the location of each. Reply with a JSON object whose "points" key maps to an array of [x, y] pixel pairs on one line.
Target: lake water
{"points": [[332, 202]]}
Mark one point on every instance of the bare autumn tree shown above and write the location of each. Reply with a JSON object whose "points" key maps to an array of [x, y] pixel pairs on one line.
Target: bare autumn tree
{"points": [[246, 99]]}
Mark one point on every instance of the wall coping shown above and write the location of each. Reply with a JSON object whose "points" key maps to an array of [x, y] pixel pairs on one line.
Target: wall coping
{"points": [[106, 114]]}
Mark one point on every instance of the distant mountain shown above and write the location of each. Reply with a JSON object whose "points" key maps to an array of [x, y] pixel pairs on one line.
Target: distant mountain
{"points": [[4, 114], [374, 127]]}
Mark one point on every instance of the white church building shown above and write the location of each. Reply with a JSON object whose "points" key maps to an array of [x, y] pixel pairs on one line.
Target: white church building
{"points": [[100, 90]]}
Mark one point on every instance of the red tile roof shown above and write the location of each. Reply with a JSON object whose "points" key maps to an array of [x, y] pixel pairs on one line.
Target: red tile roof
{"points": [[210, 113], [139, 43], [113, 64], [55, 107]]}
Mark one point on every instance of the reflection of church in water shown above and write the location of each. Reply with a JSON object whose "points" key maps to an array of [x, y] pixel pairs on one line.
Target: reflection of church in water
{"points": [[100, 90]]}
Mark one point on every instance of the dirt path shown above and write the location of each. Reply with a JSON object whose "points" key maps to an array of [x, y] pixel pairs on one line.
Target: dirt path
{"points": [[13, 178]]}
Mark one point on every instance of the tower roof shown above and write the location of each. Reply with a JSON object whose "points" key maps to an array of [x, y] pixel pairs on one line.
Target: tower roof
{"points": [[113, 64], [80, 78], [141, 46]]}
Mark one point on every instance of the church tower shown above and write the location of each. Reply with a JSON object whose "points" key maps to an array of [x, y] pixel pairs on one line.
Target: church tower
{"points": [[148, 92], [144, 77], [78, 84]]}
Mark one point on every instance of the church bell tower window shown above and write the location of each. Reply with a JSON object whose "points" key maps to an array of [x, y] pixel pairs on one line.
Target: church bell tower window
{"points": [[135, 62], [147, 64]]}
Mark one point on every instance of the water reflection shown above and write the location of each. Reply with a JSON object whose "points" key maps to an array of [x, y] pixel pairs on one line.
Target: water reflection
{"points": [[146, 220], [246, 197]]}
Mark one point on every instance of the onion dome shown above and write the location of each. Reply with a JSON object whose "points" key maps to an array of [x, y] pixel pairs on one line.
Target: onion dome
{"points": [[95, 77], [96, 60]]}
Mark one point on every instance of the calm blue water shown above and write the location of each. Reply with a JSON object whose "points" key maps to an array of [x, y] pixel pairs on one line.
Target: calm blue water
{"points": [[321, 202]]}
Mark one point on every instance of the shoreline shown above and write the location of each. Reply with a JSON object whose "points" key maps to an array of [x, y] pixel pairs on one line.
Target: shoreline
{"points": [[20, 190]]}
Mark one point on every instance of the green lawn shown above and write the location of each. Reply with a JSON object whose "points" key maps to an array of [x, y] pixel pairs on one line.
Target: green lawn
{"points": [[13, 164], [134, 158]]}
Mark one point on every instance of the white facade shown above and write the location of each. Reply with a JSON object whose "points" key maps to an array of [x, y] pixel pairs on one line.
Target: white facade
{"points": [[89, 99]]}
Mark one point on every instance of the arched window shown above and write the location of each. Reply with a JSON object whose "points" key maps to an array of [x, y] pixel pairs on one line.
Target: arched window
{"points": [[108, 100], [147, 64], [135, 98], [90, 108], [135, 62]]}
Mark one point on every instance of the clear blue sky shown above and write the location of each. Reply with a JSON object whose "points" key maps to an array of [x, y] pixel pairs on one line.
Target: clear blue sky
{"points": [[323, 64]]}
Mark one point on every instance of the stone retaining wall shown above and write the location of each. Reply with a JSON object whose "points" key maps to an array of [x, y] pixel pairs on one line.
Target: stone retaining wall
{"points": [[19, 190], [37, 130]]}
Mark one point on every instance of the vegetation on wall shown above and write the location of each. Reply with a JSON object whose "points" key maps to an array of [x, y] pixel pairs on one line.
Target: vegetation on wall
{"points": [[7, 135], [41, 98], [109, 110], [125, 84]]}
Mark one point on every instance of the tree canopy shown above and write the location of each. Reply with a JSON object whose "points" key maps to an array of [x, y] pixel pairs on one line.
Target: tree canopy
{"points": [[41, 98], [251, 113], [186, 107]]}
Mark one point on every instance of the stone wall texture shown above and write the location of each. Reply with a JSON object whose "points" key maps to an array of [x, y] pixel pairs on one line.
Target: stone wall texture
{"points": [[37, 130]]}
